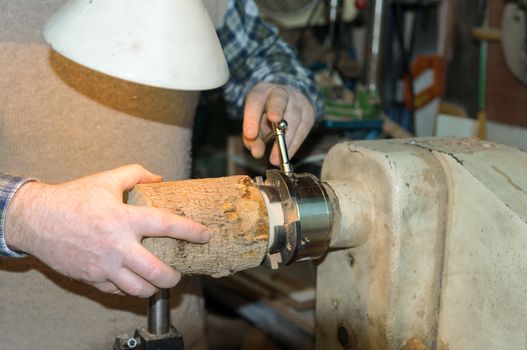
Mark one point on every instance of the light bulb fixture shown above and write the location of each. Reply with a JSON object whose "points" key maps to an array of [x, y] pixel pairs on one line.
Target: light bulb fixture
{"points": [[164, 43]]}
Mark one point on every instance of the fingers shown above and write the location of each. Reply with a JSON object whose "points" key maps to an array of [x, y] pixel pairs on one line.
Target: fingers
{"points": [[108, 287], [254, 108], [264, 99], [252, 119], [301, 134], [257, 147], [305, 125], [150, 268], [278, 108], [277, 104], [132, 284], [293, 117], [153, 222]]}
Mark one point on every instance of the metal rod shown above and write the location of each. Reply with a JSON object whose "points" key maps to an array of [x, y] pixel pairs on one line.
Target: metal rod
{"points": [[329, 43], [375, 43], [280, 128], [159, 312]]}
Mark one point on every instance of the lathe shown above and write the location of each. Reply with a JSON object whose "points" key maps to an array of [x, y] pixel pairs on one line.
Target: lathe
{"points": [[421, 240]]}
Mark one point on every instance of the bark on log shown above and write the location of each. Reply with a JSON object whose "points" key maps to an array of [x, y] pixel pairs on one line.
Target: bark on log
{"points": [[232, 207]]}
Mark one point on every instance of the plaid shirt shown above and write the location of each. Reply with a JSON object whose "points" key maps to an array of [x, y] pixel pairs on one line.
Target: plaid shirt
{"points": [[8, 186], [254, 53]]}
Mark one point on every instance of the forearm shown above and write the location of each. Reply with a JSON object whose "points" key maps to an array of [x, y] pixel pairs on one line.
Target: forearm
{"points": [[9, 185]]}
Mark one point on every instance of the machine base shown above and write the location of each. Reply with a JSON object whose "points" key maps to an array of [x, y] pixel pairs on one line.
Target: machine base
{"points": [[143, 340]]}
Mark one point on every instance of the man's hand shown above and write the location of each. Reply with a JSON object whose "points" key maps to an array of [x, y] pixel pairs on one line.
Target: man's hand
{"points": [[270, 103], [83, 230]]}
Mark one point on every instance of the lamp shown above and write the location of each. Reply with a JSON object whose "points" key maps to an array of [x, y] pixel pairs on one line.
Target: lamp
{"points": [[164, 43]]}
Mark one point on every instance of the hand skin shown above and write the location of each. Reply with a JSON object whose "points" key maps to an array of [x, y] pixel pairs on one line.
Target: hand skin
{"points": [[83, 230], [270, 103]]}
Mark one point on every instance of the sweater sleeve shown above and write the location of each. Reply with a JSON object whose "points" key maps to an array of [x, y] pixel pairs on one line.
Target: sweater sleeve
{"points": [[255, 53], [8, 187]]}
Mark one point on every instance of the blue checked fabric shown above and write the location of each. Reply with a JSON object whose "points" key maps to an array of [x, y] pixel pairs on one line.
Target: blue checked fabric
{"points": [[8, 187], [255, 54]]}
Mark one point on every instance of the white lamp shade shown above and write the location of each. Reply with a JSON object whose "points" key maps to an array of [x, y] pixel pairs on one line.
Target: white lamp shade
{"points": [[164, 43]]}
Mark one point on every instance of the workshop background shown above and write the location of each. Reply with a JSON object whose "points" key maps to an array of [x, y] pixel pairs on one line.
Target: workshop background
{"points": [[409, 68]]}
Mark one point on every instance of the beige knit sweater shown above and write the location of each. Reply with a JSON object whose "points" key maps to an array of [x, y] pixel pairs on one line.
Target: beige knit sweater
{"points": [[59, 121]]}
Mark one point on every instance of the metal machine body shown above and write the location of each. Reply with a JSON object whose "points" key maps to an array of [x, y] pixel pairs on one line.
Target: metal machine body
{"points": [[433, 235]]}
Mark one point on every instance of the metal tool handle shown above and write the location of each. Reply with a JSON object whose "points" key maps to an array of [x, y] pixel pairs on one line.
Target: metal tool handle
{"points": [[279, 130]]}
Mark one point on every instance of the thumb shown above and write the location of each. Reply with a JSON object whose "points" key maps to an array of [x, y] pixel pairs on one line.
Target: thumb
{"points": [[130, 175]]}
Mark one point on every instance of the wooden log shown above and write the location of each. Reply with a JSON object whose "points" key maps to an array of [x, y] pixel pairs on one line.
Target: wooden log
{"points": [[232, 207]]}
